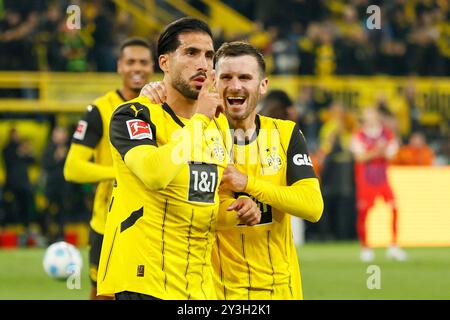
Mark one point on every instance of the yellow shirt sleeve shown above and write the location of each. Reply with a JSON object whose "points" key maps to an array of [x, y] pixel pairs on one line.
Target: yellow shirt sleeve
{"points": [[226, 219], [303, 199], [79, 169], [146, 161]]}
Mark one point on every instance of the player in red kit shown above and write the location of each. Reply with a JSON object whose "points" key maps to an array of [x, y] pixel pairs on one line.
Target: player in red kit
{"points": [[373, 145]]}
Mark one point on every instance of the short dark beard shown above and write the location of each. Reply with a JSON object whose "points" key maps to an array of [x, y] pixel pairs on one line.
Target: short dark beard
{"points": [[183, 87]]}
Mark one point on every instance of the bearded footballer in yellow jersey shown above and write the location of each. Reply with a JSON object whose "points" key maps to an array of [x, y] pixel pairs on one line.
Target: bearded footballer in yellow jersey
{"points": [[168, 161], [272, 165], [91, 141]]}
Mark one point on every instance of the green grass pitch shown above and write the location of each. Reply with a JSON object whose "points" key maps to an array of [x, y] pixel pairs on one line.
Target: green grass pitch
{"points": [[329, 271], [334, 271]]}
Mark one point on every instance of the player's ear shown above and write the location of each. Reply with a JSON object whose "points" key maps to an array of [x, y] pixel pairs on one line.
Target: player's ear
{"points": [[264, 84], [163, 61]]}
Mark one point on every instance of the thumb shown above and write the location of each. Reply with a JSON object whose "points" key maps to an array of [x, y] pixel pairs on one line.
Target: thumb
{"points": [[212, 78]]}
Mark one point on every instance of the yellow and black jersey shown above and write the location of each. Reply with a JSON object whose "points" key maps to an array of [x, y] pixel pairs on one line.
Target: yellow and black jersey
{"points": [[163, 213], [260, 262], [91, 140]]}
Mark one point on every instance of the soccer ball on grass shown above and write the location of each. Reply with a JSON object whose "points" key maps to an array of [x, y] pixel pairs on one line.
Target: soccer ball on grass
{"points": [[61, 260]]}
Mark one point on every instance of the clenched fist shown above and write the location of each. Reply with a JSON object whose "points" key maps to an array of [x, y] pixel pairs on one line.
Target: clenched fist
{"points": [[233, 179]]}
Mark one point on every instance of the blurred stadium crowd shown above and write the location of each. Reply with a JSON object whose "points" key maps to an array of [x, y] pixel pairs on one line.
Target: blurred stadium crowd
{"points": [[320, 38], [298, 37]]}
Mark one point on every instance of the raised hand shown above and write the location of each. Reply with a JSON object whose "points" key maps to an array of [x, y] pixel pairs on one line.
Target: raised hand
{"points": [[155, 91], [209, 102]]}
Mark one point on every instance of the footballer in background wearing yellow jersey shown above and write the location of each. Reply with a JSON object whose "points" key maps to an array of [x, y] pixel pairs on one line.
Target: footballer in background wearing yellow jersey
{"points": [[91, 141], [168, 160], [272, 165]]}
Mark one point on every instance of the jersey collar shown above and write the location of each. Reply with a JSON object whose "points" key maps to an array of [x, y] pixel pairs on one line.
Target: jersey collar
{"points": [[253, 137], [172, 114], [120, 95]]}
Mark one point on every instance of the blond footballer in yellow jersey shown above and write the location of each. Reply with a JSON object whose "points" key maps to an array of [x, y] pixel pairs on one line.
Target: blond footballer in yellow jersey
{"points": [[89, 159], [272, 165], [168, 160]]}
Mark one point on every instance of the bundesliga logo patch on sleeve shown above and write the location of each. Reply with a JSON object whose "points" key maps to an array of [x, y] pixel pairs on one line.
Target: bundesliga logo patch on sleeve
{"points": [[80, 132], [138, 130]]}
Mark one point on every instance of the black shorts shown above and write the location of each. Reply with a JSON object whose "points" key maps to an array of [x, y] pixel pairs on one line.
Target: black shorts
{"points": [[95, 248], [128, 295]]}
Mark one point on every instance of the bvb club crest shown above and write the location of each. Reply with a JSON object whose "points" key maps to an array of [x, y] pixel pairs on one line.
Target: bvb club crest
{"points": [[273, 160], [218, 152]]}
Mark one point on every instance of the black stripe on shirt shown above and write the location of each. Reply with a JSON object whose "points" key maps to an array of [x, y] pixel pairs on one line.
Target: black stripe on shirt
{"points": [[271, 263], [109, 255], [188, 254], [221, 269], [120, 95], [131, 220], [111, 204], [285, 250], [175, 118], [211, 219], [162, 246], [248, 265]]}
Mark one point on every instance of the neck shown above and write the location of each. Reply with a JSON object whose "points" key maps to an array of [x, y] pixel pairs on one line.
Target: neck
{"points": [[182, 106], [129, 94], [244, 128]]}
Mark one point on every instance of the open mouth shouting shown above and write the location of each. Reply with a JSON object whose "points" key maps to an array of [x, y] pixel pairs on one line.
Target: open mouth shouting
{"points": [[235, 101]]}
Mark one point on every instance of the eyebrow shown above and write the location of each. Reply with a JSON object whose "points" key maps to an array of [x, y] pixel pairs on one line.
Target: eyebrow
{"points": [[208, 52], [239, 75], [191, 48], [137, 59]]}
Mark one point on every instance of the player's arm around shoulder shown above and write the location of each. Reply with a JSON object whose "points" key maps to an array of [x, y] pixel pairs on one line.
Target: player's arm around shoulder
{"points": [[133, 134]]}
